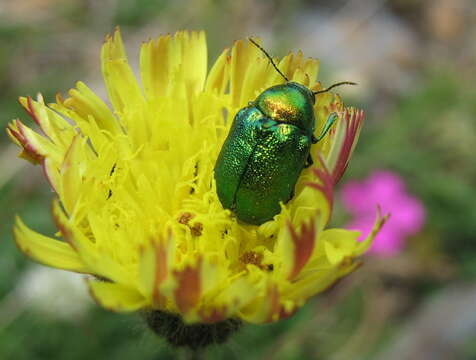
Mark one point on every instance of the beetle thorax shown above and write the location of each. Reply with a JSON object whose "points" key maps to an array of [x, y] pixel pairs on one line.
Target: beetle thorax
{"points": [[290, 103]]}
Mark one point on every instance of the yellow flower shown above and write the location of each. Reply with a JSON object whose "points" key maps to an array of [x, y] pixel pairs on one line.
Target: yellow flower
{"points": [[136, 205]]}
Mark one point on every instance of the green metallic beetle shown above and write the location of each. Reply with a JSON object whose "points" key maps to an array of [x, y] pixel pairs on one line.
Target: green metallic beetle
{"points": [[266, 150]]}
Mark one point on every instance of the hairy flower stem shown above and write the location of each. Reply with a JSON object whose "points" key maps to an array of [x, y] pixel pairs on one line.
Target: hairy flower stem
{"points": [[196, 337], [196, 355]]}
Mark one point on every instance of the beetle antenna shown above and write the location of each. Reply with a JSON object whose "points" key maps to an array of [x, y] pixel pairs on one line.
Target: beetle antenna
{"points": [[269, 57], [333, 86]]}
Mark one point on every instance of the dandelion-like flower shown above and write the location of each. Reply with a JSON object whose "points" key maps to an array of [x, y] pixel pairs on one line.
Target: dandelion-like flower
{"points": [[136, 204]]}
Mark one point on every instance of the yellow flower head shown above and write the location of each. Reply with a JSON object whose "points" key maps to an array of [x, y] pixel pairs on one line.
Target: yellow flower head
{"points": [[136, 203]]}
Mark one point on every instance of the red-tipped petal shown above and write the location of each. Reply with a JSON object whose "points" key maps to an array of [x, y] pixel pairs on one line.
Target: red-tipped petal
{"points": [[188, 290], [273, 300], [161, 272], [303, 246], [31, 111], [325, 183], [353, 123], [214, 315], [30, 152]]}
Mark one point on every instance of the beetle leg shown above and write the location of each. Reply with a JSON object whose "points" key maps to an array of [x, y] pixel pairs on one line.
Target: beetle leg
{"points": [[309, 161], [327, 126], [268, 123]]}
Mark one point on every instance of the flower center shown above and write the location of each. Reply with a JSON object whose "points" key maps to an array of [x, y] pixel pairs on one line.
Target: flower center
{"points": [[195, 228], [254, 258]]}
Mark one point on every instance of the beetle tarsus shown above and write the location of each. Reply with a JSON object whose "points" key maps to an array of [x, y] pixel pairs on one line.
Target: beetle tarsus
{"points": [[327, 126], [309, 161]]}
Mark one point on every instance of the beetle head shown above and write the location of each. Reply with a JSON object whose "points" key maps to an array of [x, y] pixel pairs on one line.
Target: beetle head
{"points": [[289, 103]]}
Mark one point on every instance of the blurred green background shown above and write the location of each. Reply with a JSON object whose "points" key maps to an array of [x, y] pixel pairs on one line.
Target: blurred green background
{"points": [[415, 62]]}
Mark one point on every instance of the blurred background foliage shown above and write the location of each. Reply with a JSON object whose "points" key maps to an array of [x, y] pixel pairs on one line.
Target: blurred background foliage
{"points": [[415, 63]]}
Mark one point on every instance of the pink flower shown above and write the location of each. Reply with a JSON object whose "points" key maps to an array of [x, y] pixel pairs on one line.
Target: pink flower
{"points": [[387, 190]]}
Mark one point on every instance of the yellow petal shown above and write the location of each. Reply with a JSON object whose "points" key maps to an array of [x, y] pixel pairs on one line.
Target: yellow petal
{"points": [[194, 59], [218, 77], [147, 271], [57, 129], [121, 83], [155, 67], [244, 56], [265, 308], [71, 175], [367, 243], [311, 68], [46, 250], [116, 297], [339, 244], [86, 103], [236, 295], [315, 281], [98, 262]]}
